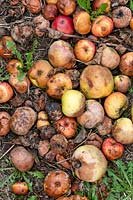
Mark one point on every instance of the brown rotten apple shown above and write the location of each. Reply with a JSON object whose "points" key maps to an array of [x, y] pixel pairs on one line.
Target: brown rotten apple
{"points": [[84, 50], [123, 131], [5, 52], [115, 104], [97, 3], [126, 64], [12, 66], [57, 183], [4, 123], [96, 81], [73, 103], [6, 92], [93, 115], [89, 163], [61, 55], [20, 188], [34, 6], [102, 26], [39, 73], [58, 84], [66, 7], [82, 22]]}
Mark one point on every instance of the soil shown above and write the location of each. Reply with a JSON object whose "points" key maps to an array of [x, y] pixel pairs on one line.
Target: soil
{"points": [[120, 39]]}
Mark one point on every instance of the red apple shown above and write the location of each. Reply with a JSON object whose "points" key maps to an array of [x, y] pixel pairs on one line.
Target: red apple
{"points": [[122, 83], [102, 26], [64, 24], [112, 149], [84, 50]]}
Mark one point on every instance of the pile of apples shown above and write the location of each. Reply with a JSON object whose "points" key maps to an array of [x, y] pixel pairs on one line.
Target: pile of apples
{"points": [[91, 97]]}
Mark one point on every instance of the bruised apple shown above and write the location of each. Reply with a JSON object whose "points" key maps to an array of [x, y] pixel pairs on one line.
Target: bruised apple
{"points": [[20, 188], [97, 4], [115, 104], [112, 149], [126, 64], [12, 66], [4, 123], [96, 81], [123, 131], [102, 26], [82, 22], [58, 84], [73, 103], [89, 163], [122, 83], [84, 50], [39, 73], [6, 92], [66, 7], [5, 52]]}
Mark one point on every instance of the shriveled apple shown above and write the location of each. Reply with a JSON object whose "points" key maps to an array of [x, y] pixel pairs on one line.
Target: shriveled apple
{"points": [[5, 52], [123, 131], [73, 103], [82, 22], [61, 55], [58, 84], [93, 115], [50, 11], [115, 104], [6, 92], [4, 123], [105, 127], [89, 163], [39, 73], [66, 7], [34, 6], [96, 81]]}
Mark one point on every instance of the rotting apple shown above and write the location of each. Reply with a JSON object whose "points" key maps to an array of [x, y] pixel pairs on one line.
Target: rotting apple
{"points": [[112, 149], [82, 22], [50, 11], [39, 73], [66, 126], [73, 103], [20, 86], [61, 55], [96, 81], [115, 104], [58, 84], [89, 163], [4, 123], [122, 130], [43, 147], [84, 50], [20, 188], [5, 52], [105, 127], [6, 92], [93, 115], [42, 120], [126, 64], [34, 6], [102, 26], [51, 1], [73, 197], [110, 58], [131, 23], [66, 7], [122, 83], [64, 24], [12, 66], [57, 183], [97, 4]]}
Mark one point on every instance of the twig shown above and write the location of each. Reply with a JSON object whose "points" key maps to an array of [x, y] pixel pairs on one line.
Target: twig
{"points": [[7, 151]]}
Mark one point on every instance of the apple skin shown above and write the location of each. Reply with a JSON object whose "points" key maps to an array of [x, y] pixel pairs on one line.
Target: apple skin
{"points": [[115, 104], [126, 64], [122, 83], [96, 81], [64, 24], [102, 26], [12, 66], [4, 51], [112, 149], [97, 3], [84, 50], [6, 92], [131, 23], [20, 188]]}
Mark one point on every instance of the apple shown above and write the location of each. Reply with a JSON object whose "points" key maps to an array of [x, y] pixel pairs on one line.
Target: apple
{"points": [[73, 103], [82, 22], [66, 126], [4, 51], [38, 73], [34, 6], [84, 50], [122, 131], [60, 54], [115, 104], [97, 3], [58, 84], [6, 92], [64, 24], [96, 81], [50, 11], [131, 23], [12, 66], [20, 188], [122, 83], [112, 149], [66, 7], [126, 64], [93, 115], [51, 1], [4, 123], [102, 26], [105, 127]]}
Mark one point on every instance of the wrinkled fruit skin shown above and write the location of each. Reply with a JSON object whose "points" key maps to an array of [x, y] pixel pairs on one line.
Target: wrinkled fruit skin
{"points": [[22, 120], [56, 183], [112, 149], [4, 123], [4, 51], [89, 163], [22, 159]]}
